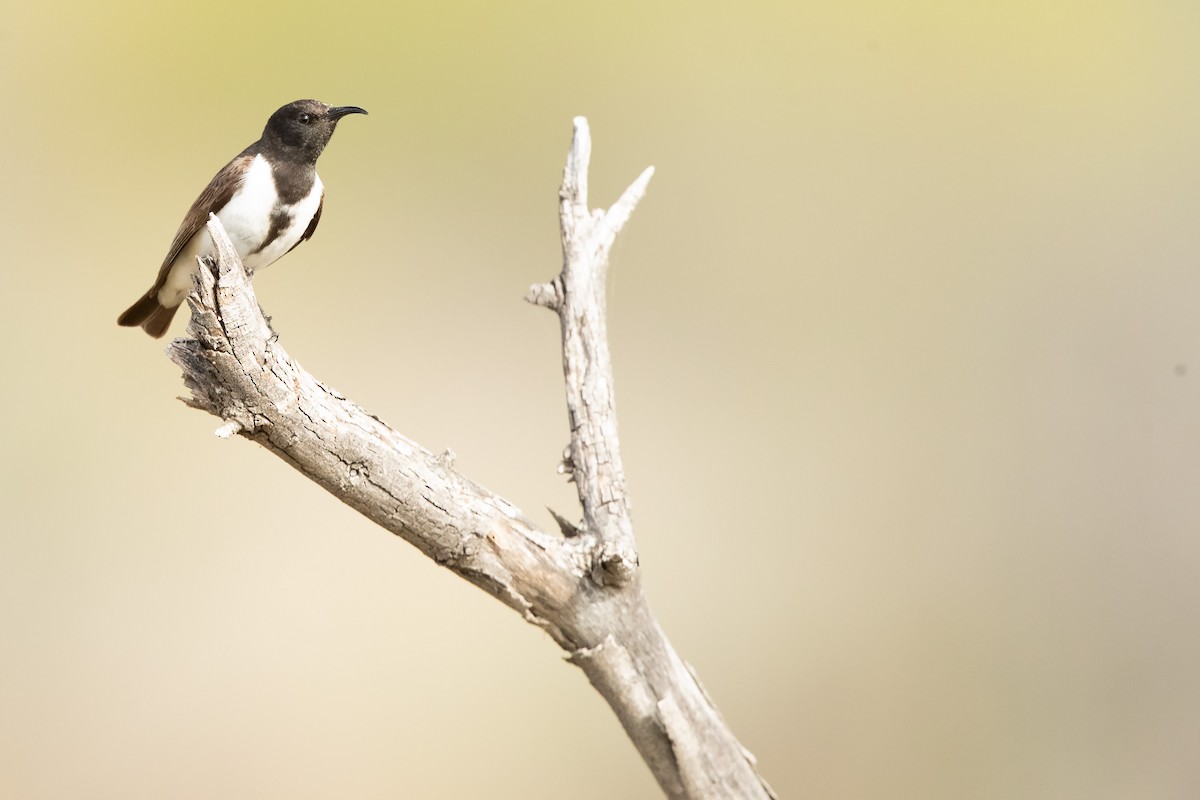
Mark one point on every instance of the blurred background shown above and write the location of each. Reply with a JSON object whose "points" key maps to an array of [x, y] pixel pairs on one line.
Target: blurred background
{"points": [[907, 344]]}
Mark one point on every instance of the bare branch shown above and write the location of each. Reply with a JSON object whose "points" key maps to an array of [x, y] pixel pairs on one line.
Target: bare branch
{"points": [[579, 300], [582, 588], [238, 371]]}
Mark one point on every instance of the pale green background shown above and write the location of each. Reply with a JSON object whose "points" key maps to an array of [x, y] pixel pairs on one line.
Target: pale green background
{"points": [[907, 341]]}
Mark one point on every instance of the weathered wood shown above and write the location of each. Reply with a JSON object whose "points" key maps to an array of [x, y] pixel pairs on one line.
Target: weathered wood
{"points": [[583, 589]]}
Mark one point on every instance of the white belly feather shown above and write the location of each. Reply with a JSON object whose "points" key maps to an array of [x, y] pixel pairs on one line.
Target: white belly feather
{"points": [[247, 220]]}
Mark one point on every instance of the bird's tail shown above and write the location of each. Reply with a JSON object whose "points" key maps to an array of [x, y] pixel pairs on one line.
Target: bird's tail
{"points": [[147, 312]]}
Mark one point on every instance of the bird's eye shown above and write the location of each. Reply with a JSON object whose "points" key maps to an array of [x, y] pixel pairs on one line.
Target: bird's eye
{"points": [[305, 119]]}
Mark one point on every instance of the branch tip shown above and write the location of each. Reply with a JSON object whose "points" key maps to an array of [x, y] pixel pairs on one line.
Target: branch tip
{"points": [[621, 210], [547, 295], [568, 528], [575, 176], [230, 428], [226, 253]]}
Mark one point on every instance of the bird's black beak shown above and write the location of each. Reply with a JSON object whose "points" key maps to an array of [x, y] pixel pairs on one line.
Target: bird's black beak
{"points": [[337, 112]]}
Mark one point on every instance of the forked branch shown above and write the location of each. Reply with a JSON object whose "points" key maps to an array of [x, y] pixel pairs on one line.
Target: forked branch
{"points": [[580, 585]]}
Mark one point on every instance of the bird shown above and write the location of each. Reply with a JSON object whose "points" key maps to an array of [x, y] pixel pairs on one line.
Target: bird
{"points": [[268, 199]]}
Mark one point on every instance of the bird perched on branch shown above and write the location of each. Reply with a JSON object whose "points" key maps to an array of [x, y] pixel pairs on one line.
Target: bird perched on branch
{"points": [[268, 198]]}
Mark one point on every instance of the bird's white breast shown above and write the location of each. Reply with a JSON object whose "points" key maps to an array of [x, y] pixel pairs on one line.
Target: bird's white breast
{"points": [[247, 220]]}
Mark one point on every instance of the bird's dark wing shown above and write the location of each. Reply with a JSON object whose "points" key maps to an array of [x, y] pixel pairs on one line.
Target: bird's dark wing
{"points": [[214, 197], [312, 226]]}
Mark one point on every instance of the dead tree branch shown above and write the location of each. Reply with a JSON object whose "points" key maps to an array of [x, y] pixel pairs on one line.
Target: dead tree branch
{"points": [[582, 586]]}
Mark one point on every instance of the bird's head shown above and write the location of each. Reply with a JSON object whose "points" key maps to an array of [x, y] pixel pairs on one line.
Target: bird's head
{"points": [[306, 125]]}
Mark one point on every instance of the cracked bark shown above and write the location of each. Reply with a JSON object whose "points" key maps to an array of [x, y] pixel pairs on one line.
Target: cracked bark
{"points": [[581, 584]]}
